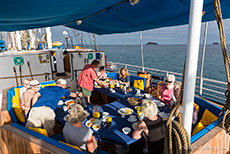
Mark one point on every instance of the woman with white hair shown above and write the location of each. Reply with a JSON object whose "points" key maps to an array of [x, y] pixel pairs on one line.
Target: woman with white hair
{"points": [[167, 90], [75, 133], [149, 131]]}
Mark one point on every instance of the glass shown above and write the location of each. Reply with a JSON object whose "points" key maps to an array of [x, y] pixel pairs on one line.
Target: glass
{"points": [[121, 86], [109, 119], [111, 86], [96, 113]]}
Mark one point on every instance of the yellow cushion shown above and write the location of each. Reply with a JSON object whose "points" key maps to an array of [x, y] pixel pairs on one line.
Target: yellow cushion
{"points": [[16, 106], [73, 146], [198, 128], [138, 84], [39, 130], [208, 118], [52, 84], [197, 107]]}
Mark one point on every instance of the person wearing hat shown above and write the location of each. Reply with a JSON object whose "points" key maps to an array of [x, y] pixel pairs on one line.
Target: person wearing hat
{"points": [[42, 113], [26, 83], [27, 97]]}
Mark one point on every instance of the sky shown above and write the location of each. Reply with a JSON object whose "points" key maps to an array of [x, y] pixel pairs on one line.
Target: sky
{"points": [[167, 35]]}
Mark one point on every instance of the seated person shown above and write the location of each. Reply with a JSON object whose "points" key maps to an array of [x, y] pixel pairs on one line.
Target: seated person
{"points": [[75, 133], [167, 90], [101, 74], [24, 88], [124, 76], [27, 97], [177, 89], [150, 129], [42, 113]]}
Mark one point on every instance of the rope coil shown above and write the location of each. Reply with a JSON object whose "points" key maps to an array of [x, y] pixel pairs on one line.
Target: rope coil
{"points": [[226, 108]]}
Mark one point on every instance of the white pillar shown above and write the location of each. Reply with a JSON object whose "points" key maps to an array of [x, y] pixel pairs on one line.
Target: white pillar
{"points": [[195, 17], [18, 40], [48, 36], [202, 61], [142, 55]]}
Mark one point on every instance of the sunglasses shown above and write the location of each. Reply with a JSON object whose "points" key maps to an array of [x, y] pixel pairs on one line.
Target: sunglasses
{"points": [[168, 81]]}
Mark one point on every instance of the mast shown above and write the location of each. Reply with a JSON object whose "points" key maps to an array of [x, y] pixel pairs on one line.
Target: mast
{"points": [[202, 61], [195, 17], [142, 55]]}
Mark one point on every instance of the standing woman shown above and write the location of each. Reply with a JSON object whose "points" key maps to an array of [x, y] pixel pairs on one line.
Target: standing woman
{"points": [[124, 75], [149, 131]]}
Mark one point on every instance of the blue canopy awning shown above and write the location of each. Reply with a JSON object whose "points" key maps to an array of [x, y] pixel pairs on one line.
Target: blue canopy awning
{"points": [[122, 18]]}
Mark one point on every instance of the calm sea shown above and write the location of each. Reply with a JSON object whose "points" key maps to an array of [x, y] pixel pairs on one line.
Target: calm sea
{"points": [[168, 57]]}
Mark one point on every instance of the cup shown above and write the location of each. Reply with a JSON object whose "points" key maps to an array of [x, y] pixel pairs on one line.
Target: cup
{"points": [[109, 119], [121, 86], [123, 115], [138, 113]]}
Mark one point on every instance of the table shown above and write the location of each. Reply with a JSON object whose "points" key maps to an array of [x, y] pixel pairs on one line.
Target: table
{"points": [[114, 134]]}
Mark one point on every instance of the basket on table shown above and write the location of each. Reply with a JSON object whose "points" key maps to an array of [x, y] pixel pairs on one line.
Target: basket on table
{"points": [[133, 101]]}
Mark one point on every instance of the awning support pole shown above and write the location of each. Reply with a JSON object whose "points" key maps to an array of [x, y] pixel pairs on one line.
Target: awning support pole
{"points": [[142, 55], [202, 61], [195, 17], [49, 35]]}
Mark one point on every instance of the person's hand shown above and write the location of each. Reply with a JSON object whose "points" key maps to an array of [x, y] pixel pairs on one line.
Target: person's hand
{"points": [[80, 94], [104, 86]]}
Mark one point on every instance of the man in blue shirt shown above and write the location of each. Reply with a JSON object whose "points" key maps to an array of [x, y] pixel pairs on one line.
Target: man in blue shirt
{"points": [[42, 113]]}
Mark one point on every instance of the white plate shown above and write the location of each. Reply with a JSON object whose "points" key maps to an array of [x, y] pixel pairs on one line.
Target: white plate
{"points": [[126, 130], [134, 125], [60, 102], [87, 113], [65, 117], [160, 104], [112, 91], [96, 127], [68, 101], [124, 111], [132, 120], [89, 124]]}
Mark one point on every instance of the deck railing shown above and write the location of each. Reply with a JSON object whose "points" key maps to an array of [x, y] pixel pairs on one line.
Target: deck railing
{"points": [[211, 89]]}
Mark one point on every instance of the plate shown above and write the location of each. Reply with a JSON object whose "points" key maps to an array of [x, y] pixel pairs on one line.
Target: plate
{"points": [[126, 130], [96, 127], [125, 110], [134, 125], [95, 121], [132, 120], [89, 124], [60, 102], [97, 87], [70, 102], [87, 113], [112, 91], [159, 103], [65, 117]]}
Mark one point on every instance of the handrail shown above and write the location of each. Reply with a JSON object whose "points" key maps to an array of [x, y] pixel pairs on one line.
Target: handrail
{"points": [[212, 88]]}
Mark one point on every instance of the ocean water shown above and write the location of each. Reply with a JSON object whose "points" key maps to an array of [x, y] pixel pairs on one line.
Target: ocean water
{"points": [[169, 58]]}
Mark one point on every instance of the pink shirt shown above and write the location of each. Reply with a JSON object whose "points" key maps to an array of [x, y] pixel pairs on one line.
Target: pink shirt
{"points": [[166, 94], [87, 75]]}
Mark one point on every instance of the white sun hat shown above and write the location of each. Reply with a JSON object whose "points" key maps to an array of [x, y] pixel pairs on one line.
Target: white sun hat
{"points": [[34, 83], [61, 81]]}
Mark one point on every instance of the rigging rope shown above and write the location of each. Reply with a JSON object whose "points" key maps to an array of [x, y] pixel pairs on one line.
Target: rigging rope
{"points": [[177, 140], [122, 53], [226, 108]]}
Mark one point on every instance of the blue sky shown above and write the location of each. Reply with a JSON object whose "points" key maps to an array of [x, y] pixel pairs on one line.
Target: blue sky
{"points": [[167, 35]]}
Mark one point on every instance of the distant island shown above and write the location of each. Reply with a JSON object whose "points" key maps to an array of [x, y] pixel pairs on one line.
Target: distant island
{"points": [[215, 43], [151, 43]]}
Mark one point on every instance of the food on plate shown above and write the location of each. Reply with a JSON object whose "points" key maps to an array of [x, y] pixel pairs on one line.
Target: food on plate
{"points": [[133, 101], [96, 115], [134, 125], [128, 111], [98, 86], [89, 124]]}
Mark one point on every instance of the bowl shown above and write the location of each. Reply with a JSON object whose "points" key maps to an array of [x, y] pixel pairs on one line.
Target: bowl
{"points": [[133, 101], [126, 130], [96, 127]]}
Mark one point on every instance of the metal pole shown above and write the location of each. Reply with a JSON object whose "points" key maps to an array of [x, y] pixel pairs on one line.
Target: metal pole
{"points": [[142, 56], [191, 62], [48, 37], [202, 61]]}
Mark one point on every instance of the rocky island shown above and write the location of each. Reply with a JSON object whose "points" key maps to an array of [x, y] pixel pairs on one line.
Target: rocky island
{"points": [[151, 43]]}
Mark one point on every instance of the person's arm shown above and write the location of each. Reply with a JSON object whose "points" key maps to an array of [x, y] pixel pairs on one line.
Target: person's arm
{"points": [[35, 97], [76, 94], [90, 144], [137, 132]]}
